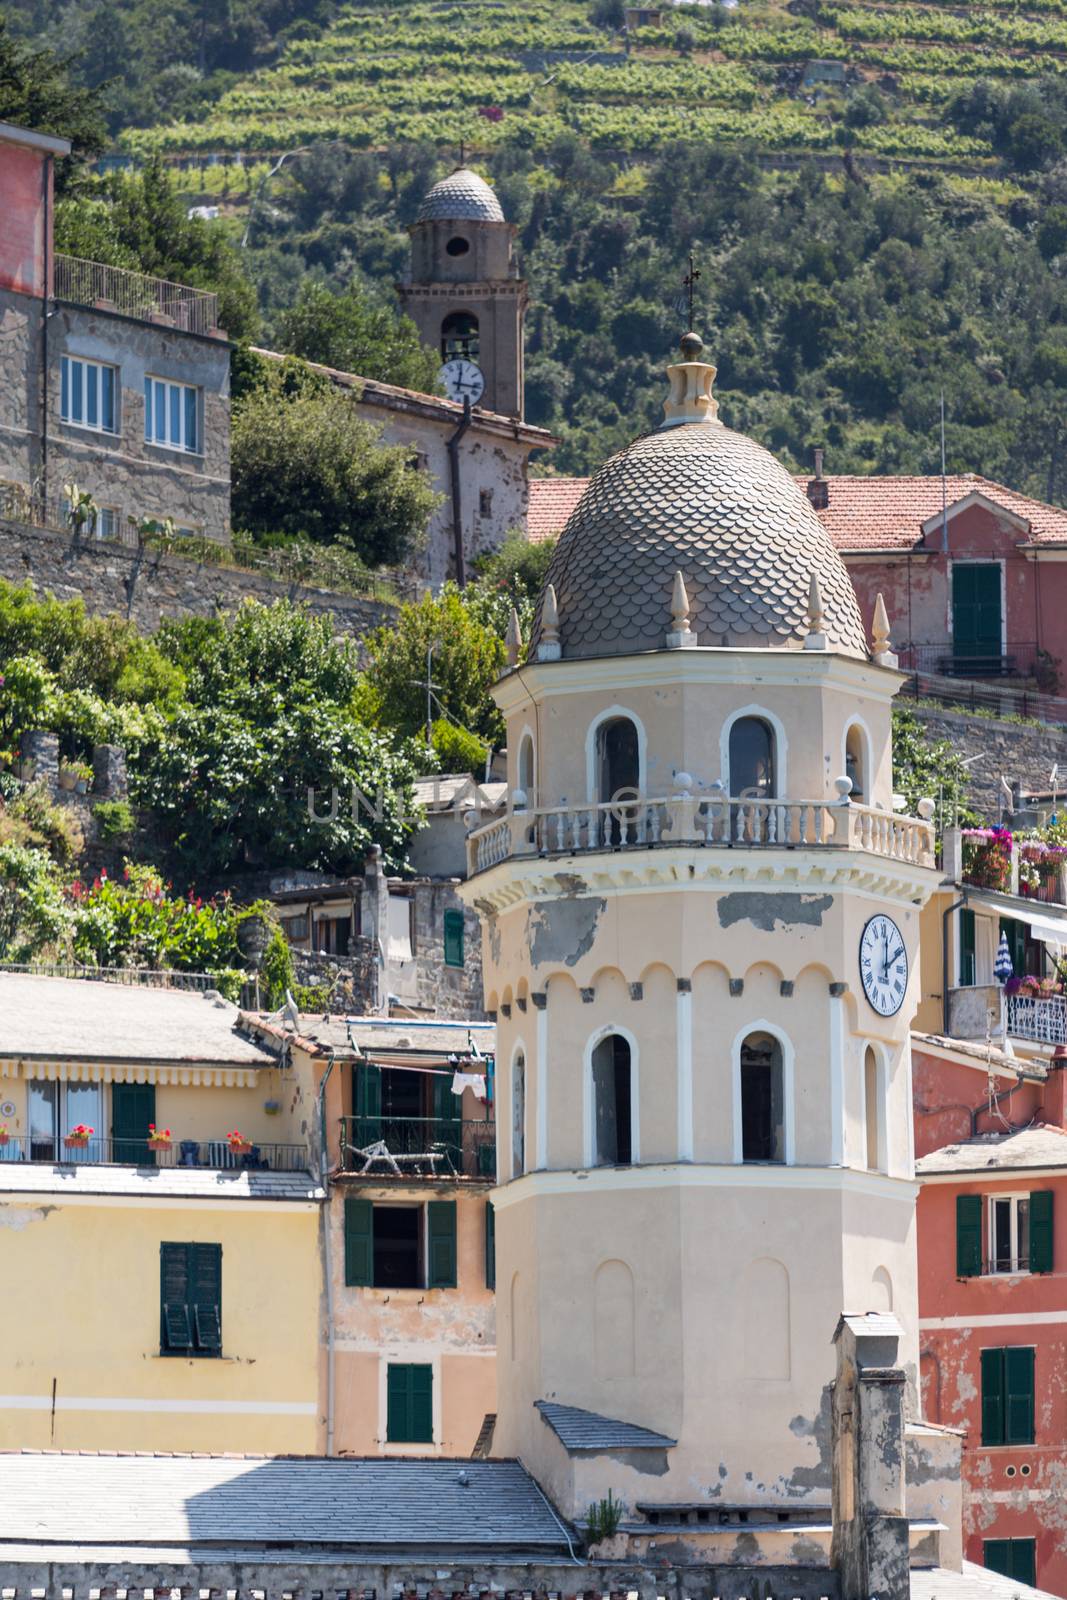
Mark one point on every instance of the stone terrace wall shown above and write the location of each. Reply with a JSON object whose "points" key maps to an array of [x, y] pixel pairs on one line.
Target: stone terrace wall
{"points": [[1018, 751], [145, 586]]}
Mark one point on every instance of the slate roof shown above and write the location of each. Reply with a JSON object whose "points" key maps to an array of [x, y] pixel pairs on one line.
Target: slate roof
{"points": [[715, 505], [53, 1498], [973, 1583], [441, 790], [1029, 1149], [67, 1018], [586, 1430], [154, 1183], [461, 197], [863, 513], [352, 1035]]}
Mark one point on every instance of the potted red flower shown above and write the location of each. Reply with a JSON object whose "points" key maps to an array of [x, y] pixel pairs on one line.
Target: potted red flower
{"points": [[78, 1137], [5, 1136], [239, 1145], [158, 1138]]}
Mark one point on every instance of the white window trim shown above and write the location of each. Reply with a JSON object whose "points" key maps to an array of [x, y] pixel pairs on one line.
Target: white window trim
{"points": [[858, 722], [592, 786], [761, 1025], [97, 366], [589, 1098], [881, 1155], [417, 1355], [781, 749], [1016, 1270], [531, 792], [168, 444]]}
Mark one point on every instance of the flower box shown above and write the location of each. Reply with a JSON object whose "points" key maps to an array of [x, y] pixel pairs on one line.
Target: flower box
{"points": [[239, 1145], [75, 1141], [5, 1137]]}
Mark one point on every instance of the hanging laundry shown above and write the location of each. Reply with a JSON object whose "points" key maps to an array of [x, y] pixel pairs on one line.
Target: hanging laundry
{"points": [[469, 1080]]}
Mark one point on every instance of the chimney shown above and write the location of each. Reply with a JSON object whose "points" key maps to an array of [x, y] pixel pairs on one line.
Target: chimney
{"points": [[1054, 1100], [818, 490], [869, 1545]]}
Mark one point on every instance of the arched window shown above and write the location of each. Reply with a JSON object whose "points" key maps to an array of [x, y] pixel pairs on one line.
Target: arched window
{"points": [[874, 1111], [612, 1112], [525, 771], [753, 773], [459, 336], [518, 1114], [618, 759], [856, 761], [762, 1099]]}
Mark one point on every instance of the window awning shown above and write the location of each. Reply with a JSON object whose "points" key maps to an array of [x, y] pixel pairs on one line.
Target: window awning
{"points": [[1052, 929]]}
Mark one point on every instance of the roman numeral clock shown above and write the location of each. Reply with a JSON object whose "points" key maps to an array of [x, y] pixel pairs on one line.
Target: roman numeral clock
{"points": [[883, 965]]}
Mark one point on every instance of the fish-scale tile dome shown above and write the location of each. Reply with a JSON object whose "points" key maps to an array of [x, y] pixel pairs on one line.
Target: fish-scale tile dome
{"points": [[461, 197], [696, 497]]}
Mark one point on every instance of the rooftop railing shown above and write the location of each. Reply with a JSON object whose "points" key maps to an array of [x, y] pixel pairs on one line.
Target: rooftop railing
{"points": [[203, 1154], [132, 294], [687, 819], [419, 1147]]}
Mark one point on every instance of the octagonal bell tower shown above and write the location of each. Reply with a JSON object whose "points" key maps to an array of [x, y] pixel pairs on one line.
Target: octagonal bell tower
{"points": [[701, 920], [464, 291]]}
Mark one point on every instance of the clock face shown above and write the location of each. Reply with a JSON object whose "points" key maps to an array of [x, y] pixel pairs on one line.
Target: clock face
{"points": [[883, 965], [462, 380]]}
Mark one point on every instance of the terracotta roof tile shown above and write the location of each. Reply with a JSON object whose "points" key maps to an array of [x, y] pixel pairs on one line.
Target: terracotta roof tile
{"points": [[863, 513]]}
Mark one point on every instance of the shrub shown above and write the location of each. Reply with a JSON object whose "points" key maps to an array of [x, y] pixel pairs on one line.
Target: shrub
{"points": [[115, 819]]}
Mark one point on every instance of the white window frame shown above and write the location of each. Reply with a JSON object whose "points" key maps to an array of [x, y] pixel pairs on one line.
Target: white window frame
{"points": [[183, 447], [1016, 1267], [116, 515], [589, 1157], [91, 370]]}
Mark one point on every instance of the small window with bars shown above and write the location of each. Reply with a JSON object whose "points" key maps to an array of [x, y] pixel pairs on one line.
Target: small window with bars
{"points": [[190, 1294], [87, 394], [171, 415]]}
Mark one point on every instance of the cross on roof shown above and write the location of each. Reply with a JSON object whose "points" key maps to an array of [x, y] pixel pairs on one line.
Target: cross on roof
{"points": [[689, 283]]}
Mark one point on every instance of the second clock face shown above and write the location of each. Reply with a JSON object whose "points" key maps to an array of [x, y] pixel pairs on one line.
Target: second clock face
{"points": [[463, 380], [883, 965]]}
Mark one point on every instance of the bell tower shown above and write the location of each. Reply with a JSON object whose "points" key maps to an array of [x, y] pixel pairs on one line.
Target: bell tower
{"points": [[701, 945], [464, 292]]}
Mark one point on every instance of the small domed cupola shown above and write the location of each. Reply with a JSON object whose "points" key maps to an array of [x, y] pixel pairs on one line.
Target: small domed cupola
{"points": [[461, 197], [695, 498]]}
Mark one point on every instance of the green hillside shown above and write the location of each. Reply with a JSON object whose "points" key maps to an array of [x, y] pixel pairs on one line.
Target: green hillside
{"points": [[501, 71]]}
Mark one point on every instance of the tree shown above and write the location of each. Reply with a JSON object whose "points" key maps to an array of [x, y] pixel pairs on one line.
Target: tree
{"points": [[357, 333], [304, 463], [925, 768], [467, 657], [36, 92], [512, 576]]}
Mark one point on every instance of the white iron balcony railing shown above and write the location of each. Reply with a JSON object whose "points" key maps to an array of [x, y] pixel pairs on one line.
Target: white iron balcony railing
{"points": [[690, 820], [132, 294], [1044, 1021]]}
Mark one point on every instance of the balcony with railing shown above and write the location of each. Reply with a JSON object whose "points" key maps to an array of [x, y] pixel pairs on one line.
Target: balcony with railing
{"points": [[212, 1155], [387, 1147], [717, 822], [1040, 1018], [133, 294]]}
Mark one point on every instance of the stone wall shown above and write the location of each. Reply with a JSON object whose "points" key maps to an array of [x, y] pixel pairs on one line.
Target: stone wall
{"points": [[145, 586], [1019, 752]]}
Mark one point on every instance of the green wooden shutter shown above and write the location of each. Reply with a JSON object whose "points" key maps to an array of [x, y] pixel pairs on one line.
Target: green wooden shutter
{"points": [[976, 614], [1041, 1230], [1019, 1393], [968, 961], [1023, 1562], [133, 1107], [454, 940], [205, 1296], [421, 1390], [367, 1103], [396, 1417], [996, 1556], [409, 1404], [992, 1397], [448, 1124], [175, 1329], [490, 1245], [359, 1243], [441, 1228], [968, 1235]]}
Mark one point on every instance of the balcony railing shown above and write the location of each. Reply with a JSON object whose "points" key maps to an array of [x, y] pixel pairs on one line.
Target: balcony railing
{"points": [[1044, 1021], [132, 294], [1018, 661], [687, 819], [419, 1147], [205, 1154]]}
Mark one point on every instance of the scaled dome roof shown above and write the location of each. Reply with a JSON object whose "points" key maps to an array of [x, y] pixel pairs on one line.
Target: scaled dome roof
{"points": [[696, 497], [461, 197]]}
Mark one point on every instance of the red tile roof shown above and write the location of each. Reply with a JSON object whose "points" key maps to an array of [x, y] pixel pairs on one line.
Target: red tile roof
{"points": [[863, 513]]}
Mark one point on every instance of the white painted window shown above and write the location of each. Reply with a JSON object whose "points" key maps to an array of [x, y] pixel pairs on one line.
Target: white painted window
{"points": [[107, 523], [1009, 1233], [171, 415], [87, 394]]}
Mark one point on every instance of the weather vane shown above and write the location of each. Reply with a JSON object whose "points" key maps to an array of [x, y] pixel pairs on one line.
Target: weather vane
{"points": [[463, 152], [689, 283]]}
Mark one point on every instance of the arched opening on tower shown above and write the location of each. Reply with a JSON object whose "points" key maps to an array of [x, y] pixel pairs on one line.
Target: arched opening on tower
{"points": [[618, 770], [526, 773], [518, 1115], [753, 767], [612, 1110], [762, 1099], [874, 1110], [457, 246], [856, 761], [459, 337]]}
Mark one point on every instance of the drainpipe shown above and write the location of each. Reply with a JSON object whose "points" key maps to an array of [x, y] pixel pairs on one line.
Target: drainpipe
{"points": [[453, 471], [327, 1254], [47, 178], [962, 901]]}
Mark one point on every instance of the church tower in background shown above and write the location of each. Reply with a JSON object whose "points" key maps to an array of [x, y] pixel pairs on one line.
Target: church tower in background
{"points": [[465, 295]]}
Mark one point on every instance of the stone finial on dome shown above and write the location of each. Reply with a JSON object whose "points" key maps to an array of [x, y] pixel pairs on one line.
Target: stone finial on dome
{"points": [[690, 399], [881, 651], [513, 639], [816, 638], [548, 648], [680, 636]]}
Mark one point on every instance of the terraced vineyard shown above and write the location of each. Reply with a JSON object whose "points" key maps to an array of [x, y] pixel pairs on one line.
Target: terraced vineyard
{"points": [[497, 71]]}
